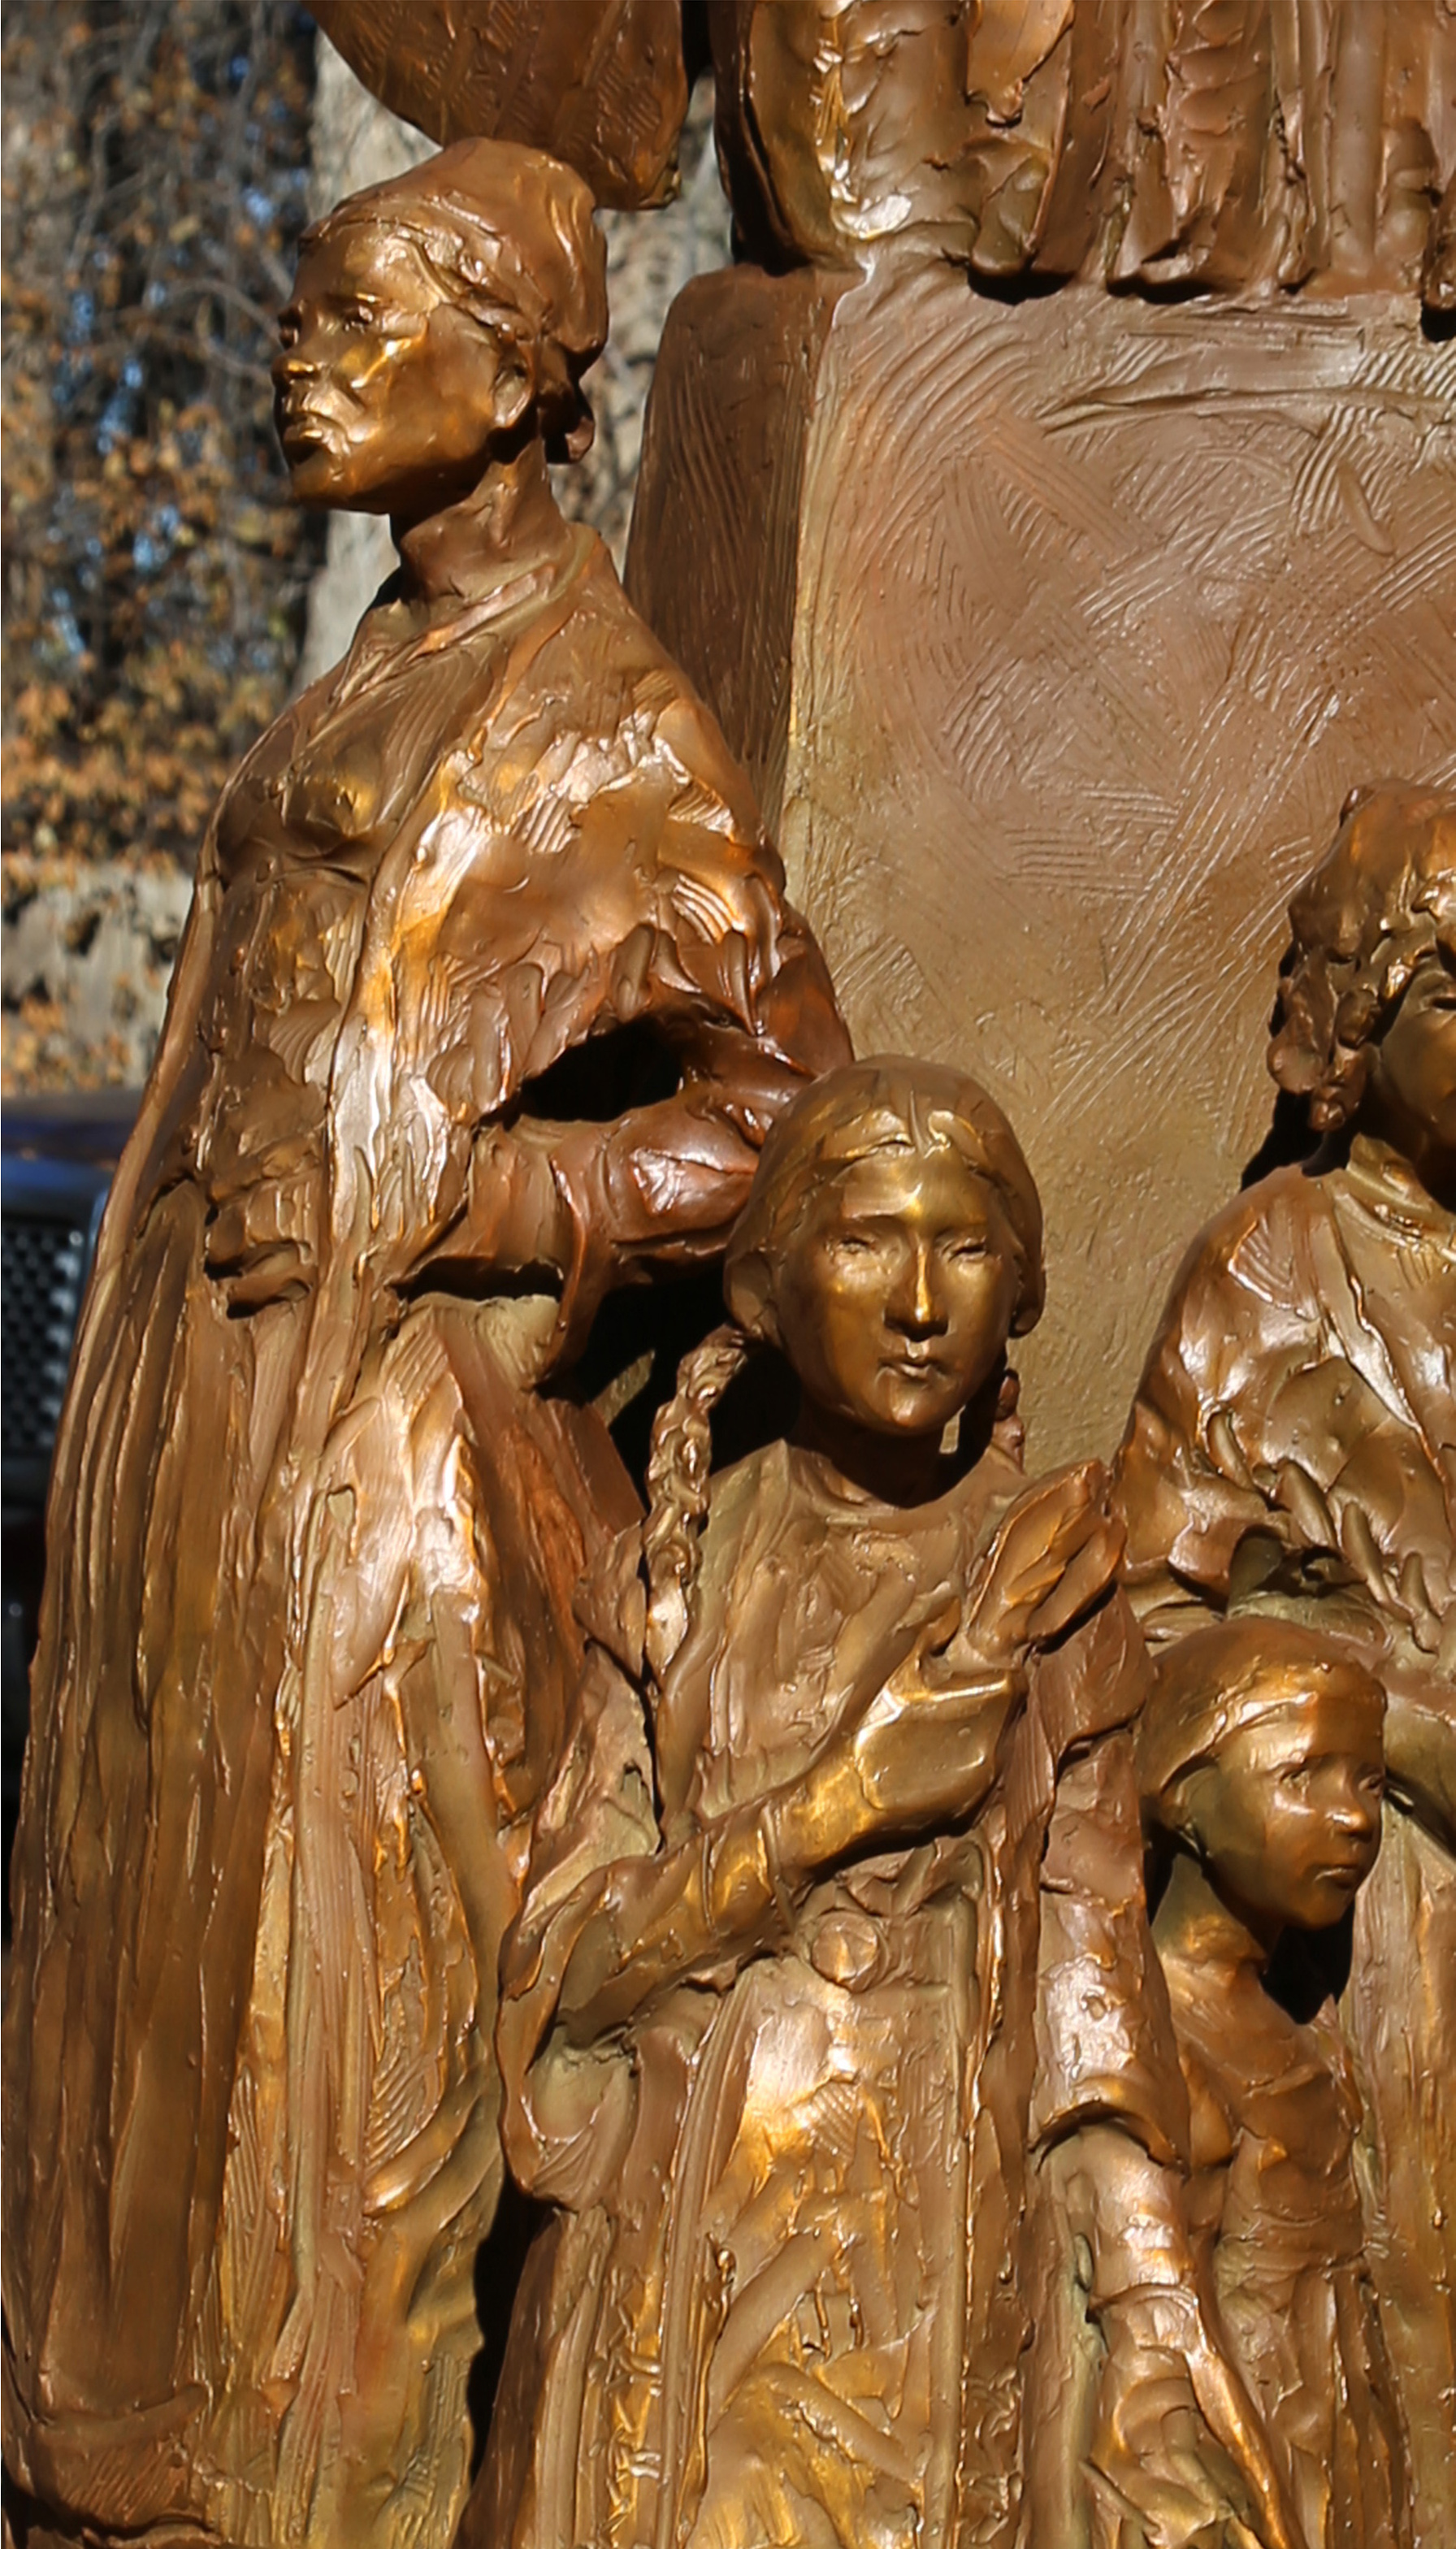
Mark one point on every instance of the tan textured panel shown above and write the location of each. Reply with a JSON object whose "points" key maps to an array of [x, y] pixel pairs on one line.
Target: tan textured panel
{"points": [[715, 524], [1100, 608]]}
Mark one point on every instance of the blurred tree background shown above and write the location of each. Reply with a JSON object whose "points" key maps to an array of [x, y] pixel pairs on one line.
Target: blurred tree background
{"points": [[160, 157], [155, 178]]}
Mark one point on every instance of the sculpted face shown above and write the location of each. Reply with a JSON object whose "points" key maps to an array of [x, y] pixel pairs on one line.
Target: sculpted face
{"points": [[1288, 1818], [1413, 1071], [387, 396], [896, 1299]]}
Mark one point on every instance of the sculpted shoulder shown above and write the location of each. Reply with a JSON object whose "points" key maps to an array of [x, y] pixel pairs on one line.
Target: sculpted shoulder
{"points": [[753, 1501], [642, 698], [582, 723], [1238, 1315], [1257, 1244]]}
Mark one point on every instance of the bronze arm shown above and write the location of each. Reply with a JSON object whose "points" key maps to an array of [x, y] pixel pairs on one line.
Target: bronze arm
{"points": [[919, 1757]]}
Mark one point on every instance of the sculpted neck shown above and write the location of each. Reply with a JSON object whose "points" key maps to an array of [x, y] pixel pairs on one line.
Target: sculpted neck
{"points": [[1408, 1151], [894, 1470], [506, 524], [1195, 1922], [905, 1469]]}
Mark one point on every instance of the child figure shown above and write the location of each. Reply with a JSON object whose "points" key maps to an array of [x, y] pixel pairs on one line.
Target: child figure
{"points": [[1261, 1764], [786, 2005]]}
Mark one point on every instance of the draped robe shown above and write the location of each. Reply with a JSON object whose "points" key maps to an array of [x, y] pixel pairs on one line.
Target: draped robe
{"points": [[306, 1635], [1298, 1411], [807, 2252]]}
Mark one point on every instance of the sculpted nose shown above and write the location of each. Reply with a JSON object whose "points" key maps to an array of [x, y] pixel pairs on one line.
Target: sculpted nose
{"points": [[290, 362], [1358, 1813], [917, 1307]]}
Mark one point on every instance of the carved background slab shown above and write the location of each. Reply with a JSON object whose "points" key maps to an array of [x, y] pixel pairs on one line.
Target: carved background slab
{"points": [[1096, 611]]}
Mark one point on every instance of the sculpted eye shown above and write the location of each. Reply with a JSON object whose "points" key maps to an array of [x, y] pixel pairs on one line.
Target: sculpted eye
{"points": [[963, 1247]]}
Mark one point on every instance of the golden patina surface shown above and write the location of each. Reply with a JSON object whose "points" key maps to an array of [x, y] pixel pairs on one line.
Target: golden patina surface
{"points": [[962, 1964], [323, 1494]]}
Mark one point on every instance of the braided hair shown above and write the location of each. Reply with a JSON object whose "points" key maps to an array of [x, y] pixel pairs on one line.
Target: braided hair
{"points": [[677, 1468], [852, 1114]]}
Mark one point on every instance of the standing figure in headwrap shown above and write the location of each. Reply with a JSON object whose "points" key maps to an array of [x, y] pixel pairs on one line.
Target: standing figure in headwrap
{"points": [[833, 1978], [1259, 1753], [488, 997], [1294, 1429]]}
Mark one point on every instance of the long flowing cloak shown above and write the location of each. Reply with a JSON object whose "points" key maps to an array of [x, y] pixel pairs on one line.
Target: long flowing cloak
{"points": [[308, 1636]]}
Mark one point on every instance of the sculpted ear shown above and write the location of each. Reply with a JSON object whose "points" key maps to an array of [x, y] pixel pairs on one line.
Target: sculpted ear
{"points": [[1180, 1807], [514, 386], [498, 372], [748, 1290]]}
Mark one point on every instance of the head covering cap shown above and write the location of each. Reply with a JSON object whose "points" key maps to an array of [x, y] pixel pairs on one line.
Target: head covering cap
{"points": [[509, 237], [1383, 899], [1218, 1681]]}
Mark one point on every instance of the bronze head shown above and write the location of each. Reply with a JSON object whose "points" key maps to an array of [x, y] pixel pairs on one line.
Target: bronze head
{"points": [[912, 1120], [437, 321], [891, 1243], [1260, 1751], [1367, 999]]}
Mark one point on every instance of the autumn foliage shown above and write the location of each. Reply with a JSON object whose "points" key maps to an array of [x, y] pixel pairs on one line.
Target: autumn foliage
{"points": [[154, 572]]}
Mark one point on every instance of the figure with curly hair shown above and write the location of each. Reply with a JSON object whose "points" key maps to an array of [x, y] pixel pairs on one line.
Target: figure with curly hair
{"points": [[488, 997], [1294, 1435], [831, 1980]]}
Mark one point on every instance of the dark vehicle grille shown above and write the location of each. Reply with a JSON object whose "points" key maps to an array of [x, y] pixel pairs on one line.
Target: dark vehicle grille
{"points": [[57, 1159], [43, 1267]]}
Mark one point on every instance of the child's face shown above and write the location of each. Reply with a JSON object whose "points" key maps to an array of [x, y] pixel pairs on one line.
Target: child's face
{"points": [[895, 1299], [1289, 1816]]}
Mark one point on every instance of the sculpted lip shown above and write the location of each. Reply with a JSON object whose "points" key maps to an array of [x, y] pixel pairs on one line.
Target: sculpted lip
{"points": [[1349, 1872], [297, 423]]}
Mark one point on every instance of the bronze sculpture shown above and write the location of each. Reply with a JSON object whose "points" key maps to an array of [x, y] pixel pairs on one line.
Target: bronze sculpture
{"points": [[832, 1972], [1036, 594], [322, 1491], [1250, 145], [1295, 1432], [833, 2023], [1260, 1756]]}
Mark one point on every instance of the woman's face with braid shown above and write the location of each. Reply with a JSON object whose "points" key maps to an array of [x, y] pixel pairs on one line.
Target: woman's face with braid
{"points": [[894, 1296]]}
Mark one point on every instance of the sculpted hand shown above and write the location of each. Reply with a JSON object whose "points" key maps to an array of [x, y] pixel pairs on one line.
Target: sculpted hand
{"points": [[924, 1754], [921, 1755], [1055, 1554], [516, 1216]]}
